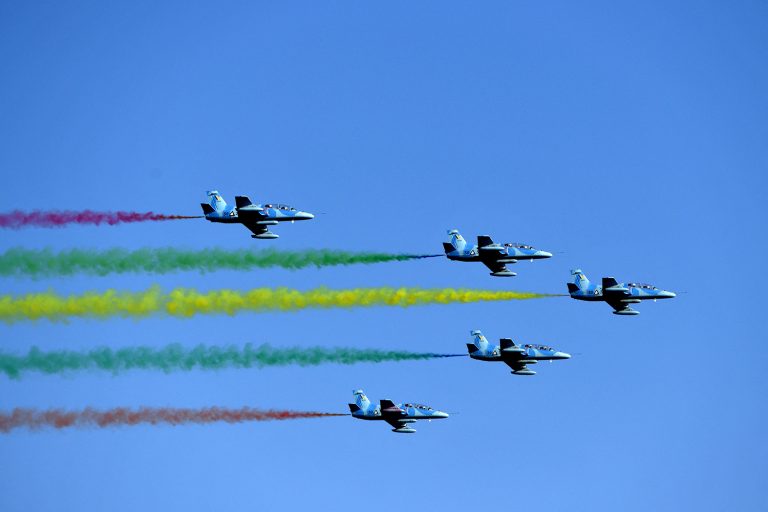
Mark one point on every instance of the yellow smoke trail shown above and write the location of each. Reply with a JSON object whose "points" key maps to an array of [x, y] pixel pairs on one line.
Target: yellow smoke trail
{"points": [[184, 302]]}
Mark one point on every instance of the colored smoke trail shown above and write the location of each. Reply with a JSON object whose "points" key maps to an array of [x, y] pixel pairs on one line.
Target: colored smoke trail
{"points": [[46, 263], [177, 358], [34, 419], [18, 219], [183, 302]]}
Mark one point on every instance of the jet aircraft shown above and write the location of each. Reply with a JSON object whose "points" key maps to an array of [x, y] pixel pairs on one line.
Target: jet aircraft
{"points": [[256, 217], [492, 255], [400, 416], [618, 295], [514, 356]]}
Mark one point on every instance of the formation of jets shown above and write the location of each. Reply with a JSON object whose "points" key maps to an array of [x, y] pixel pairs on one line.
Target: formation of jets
{"points": [[620, 296]]}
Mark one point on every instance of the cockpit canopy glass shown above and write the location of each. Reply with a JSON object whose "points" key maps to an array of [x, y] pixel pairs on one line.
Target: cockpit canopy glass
{"points": [[418, 406], [538, 347], [280, 207], [519, 246], [641, 285]]}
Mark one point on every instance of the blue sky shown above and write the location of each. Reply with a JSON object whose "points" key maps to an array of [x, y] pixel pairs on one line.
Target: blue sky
{"points": [[629, 138]]}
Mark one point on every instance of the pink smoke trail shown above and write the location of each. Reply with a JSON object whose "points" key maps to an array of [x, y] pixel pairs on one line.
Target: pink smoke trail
{"points": [[34, 419], [18, 219]]}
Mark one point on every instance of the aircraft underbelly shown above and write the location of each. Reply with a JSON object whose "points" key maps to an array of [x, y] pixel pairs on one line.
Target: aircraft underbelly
{"points": [[225, 220]]}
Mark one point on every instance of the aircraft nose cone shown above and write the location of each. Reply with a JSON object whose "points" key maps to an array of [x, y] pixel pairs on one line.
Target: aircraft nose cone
{"points": [[562, 355], [668, 295], [304, 216], [439, 414], [544, 254]]}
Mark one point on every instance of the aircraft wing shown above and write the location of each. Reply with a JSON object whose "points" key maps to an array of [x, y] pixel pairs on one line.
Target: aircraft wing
{"points": [[494, 265], [515, 365], [256, 229], [396, 422], [617, 303]]}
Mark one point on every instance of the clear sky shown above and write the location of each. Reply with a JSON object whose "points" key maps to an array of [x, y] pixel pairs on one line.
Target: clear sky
{"points": [[629, 138]]}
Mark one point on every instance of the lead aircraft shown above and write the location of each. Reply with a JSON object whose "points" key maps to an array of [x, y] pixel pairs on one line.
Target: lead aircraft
{"points": [[256, 217], [400, 416]]}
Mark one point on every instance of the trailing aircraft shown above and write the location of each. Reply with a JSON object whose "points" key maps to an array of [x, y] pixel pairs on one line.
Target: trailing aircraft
{"points": [[400, 416], [492, 255], [256, 217], [515, 356]]}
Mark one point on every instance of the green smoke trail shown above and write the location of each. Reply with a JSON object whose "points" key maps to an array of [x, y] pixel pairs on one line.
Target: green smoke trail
{"points": [[47, 263], [175, 357]]}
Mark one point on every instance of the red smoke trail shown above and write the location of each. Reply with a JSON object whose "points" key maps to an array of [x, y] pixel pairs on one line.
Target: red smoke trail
{"points": [[18, 219], [34, 419]]}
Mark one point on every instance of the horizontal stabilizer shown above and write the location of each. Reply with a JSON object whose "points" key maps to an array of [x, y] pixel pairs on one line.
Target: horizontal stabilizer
{"points": [[448, 247], [572, 288], [471, 347], [353, 408], [207, 208], [242, 201]]}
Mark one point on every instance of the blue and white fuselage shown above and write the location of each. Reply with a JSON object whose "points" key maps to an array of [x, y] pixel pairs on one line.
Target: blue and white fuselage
{"points": [[400, 416], [492, 255], [515, 356], [618, 295], [256, 217]]}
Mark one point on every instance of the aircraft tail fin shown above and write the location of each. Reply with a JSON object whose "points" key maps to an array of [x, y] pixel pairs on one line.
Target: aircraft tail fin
{"points": [[216, 201], [456, 243], [580, 281], [479, 340], [361, 401]]}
